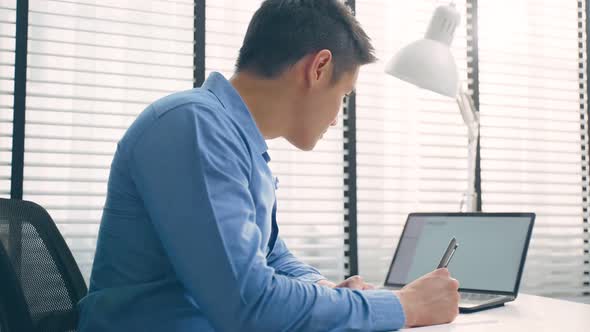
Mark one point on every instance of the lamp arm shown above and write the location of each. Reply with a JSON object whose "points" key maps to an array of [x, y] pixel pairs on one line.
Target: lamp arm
{"points": [[470, 116], [469, 113]]}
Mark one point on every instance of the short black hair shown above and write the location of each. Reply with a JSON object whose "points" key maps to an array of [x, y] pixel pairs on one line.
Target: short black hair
{"points": [[282, 32]]}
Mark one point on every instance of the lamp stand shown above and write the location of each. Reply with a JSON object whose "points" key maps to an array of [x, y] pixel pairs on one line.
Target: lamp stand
{"points": [[470, 116]]}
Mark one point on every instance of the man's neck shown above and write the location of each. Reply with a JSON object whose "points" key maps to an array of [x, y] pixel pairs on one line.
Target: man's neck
{"points": [[267, 101]]}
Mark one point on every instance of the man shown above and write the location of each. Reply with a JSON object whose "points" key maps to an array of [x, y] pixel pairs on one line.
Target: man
{"points": [[189, 239]]}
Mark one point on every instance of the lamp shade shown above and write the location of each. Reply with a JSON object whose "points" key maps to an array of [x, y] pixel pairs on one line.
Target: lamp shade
{"points": [[428, 62]]}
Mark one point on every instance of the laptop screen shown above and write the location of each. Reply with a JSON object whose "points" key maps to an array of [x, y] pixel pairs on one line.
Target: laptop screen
{"points": [[491, 248]]}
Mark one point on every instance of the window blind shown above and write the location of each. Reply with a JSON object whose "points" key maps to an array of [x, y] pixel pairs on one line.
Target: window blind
{"points": [[533, 148], [310, 195], [7, 45], [411, 143], [92, 67]]}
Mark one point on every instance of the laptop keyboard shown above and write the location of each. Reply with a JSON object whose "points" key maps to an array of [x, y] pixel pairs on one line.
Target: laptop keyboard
{"points": [[478, 297]]}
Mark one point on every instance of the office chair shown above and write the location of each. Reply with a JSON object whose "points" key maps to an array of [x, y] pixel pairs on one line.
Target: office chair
{"points": [[40, 283], [14, 311]]}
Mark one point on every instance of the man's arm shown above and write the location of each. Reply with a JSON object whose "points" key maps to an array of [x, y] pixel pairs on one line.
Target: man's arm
{"points": [[194, 183], [285, 263]]}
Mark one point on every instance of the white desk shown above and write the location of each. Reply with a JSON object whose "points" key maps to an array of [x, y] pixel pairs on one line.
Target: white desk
{"points": [[526, 313]]}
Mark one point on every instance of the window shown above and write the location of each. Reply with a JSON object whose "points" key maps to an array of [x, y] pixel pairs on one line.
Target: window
{"points": [[411, 143], [7, 48], [534, 150], [92, 67]]}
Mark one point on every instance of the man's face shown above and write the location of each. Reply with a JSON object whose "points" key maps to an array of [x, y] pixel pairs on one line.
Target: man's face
{"points": [[318, 110]]}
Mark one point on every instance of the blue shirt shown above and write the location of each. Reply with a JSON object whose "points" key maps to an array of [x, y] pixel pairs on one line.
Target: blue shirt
{"points": [[188, 240]]}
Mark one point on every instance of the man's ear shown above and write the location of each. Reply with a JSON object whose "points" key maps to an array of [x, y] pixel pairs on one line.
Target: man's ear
{"points": [[320, 68]]}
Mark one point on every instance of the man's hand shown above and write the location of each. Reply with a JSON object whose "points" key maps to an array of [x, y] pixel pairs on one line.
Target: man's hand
{"points": [[431, 299], [354, 282]]}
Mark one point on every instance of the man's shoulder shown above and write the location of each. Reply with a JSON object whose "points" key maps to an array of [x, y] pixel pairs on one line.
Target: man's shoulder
{"points": [[200, 110], [185, 111], [197, 98]]}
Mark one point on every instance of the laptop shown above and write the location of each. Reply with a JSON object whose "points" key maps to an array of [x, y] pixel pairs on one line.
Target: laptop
{"points": [[488, 262]]}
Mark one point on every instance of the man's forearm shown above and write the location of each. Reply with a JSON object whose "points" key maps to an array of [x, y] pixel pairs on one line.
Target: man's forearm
{"points": [[326, 282]]}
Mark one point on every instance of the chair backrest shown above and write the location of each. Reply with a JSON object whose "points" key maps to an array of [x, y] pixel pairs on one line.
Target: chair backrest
{"points": [[14, 311], [42, 265]]}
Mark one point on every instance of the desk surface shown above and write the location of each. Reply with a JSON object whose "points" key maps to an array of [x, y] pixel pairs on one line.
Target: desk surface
{"points": [[526, 313]]}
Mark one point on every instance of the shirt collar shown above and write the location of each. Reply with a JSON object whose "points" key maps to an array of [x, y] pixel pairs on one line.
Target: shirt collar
{"points": [[231, 100]]}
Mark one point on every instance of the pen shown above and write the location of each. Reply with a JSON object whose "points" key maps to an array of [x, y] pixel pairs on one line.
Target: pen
{"points": [[446, 258]]}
